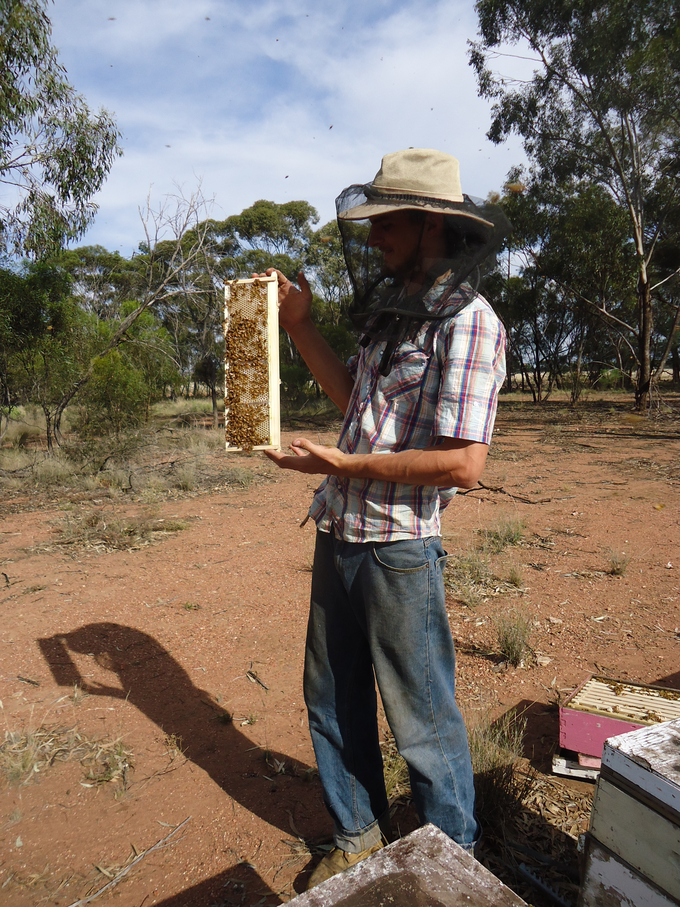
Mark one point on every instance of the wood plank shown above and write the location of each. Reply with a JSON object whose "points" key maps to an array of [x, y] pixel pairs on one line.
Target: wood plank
{"points": [[609, 882], [424, 869], [638, 835]]}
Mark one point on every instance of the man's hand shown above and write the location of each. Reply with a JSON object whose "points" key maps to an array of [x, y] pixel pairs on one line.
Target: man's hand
{"points": [[295, 317], [295, 306], [309, 457]]}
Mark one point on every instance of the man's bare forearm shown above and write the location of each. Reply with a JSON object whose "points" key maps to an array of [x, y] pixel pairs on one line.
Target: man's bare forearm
{"points": [[329, 371], [455, 462]]}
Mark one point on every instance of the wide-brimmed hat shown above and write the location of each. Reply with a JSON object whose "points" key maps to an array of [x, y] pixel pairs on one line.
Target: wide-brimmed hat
{"points": [[419, 179]]}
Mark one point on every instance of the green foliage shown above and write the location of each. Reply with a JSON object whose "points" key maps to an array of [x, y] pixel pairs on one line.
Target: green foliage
{"points": [[126, 381], [54, 152], [101, 281], [266, 235], [599, 117], [115, 397], [44, 338]]}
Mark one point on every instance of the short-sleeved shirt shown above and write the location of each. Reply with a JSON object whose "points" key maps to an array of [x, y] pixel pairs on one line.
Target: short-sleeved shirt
{"points": [[444, 384]]}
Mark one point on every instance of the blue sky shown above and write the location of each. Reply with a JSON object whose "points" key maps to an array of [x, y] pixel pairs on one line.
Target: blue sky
{"points": [[276, 99]]}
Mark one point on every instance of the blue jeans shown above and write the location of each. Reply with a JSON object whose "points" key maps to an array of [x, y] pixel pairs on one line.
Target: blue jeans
{"points": [[378, 614]]}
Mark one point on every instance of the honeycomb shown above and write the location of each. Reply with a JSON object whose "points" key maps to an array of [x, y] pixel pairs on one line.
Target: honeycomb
{"points": [[248, 360]]}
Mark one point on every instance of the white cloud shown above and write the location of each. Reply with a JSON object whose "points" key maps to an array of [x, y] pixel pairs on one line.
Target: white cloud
{"points": [[251, 117]]}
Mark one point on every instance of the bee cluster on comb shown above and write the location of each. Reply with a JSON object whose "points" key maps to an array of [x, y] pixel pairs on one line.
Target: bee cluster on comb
{"points": [[251, 365]]}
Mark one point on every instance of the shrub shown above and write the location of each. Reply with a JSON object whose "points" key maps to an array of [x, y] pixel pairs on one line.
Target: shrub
{"points": [[514, 630], [508, 532], [495, 748], [618, 563]]}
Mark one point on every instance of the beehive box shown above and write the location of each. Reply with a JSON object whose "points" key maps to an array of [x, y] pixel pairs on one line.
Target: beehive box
{"points": [[602, 708], [424, 869], [252, 419], [633, 845]]}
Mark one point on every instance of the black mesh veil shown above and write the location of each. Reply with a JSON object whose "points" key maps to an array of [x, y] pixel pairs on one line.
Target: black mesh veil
{"points": [[381, 309]]}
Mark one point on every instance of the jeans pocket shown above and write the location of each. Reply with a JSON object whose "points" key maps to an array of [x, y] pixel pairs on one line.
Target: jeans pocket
{"points": [[406, 556]]}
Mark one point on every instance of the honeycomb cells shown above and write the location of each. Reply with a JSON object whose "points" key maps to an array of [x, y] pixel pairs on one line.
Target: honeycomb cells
{"points": [[247, 404]]}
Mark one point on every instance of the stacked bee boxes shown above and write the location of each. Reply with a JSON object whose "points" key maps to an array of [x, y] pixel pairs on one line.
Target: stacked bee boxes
{"points": [[633, 847], [251, 364]]}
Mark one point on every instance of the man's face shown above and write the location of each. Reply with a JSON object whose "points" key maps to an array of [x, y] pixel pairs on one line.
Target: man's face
{"points": [[398, 238]]}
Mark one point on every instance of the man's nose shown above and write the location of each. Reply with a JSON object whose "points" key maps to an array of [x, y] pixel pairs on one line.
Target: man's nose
{"points": [[374, 236]]}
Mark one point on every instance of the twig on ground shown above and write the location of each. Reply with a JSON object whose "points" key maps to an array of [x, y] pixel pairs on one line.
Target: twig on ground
{"points": [[500, 490], [162, 843]]}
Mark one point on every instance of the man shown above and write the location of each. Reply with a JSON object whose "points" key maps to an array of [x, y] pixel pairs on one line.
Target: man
{"points": [[419, 403]]}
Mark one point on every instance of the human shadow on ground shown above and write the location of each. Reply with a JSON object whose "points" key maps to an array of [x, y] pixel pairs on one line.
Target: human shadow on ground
{"points": [[236, 886], [541, 737], [155, 683]]}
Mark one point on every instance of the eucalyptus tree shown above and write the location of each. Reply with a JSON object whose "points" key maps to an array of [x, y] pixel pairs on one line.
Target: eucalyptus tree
{"points": [[603, 107], [54, 152]]}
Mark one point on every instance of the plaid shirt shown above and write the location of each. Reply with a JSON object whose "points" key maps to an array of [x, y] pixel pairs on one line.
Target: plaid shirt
{"points": [[443, 385]]}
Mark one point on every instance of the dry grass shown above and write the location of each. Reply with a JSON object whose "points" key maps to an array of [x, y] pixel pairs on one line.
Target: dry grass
{"points": [[495, 748], [97, 530], [469, 577], [395, 771], [618, 564], [27, 753], [514, 631], [176, 453], [508, 532]]}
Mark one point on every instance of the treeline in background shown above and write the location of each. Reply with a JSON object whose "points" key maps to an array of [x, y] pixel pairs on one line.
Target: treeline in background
{"points": [[588, 285]]}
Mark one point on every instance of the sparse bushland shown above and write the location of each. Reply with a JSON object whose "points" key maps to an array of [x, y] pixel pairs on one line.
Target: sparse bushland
{"points": [[175, 452]]}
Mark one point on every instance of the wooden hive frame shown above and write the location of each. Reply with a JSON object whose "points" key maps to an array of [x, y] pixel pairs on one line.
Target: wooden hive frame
{"points": [[252, 409]]}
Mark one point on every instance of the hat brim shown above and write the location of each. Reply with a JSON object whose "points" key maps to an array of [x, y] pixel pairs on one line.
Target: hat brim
{"points": [[453, 209]]}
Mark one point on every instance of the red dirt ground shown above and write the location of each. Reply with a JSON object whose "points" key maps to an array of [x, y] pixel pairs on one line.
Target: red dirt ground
{"points": [[161, 640]]}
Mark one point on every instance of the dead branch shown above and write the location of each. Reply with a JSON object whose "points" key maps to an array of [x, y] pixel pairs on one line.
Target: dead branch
{"points": [[500, 490], [116, 879]]}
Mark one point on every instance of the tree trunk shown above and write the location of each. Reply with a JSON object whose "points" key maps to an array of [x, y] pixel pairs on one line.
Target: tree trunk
{"points": [[576, 376], [644, 376], [216, 415], [49, 428]]}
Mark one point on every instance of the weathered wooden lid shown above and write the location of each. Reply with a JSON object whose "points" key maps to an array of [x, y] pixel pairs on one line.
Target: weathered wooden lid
{"points": [[424, 869], [649, 760]]}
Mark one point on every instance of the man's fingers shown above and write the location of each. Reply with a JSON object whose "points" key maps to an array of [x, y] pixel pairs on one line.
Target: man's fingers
{"points": [[300, 444]]}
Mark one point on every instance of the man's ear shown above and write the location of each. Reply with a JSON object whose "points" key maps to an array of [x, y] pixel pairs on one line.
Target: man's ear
{"points": [[434, 222]]}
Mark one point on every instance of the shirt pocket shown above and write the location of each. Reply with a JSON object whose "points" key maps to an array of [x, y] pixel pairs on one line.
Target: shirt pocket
{"points": [[404, 382]]}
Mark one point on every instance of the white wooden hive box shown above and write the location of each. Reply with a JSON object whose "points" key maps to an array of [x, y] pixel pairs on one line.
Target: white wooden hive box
{"points": [[634, 838]]}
